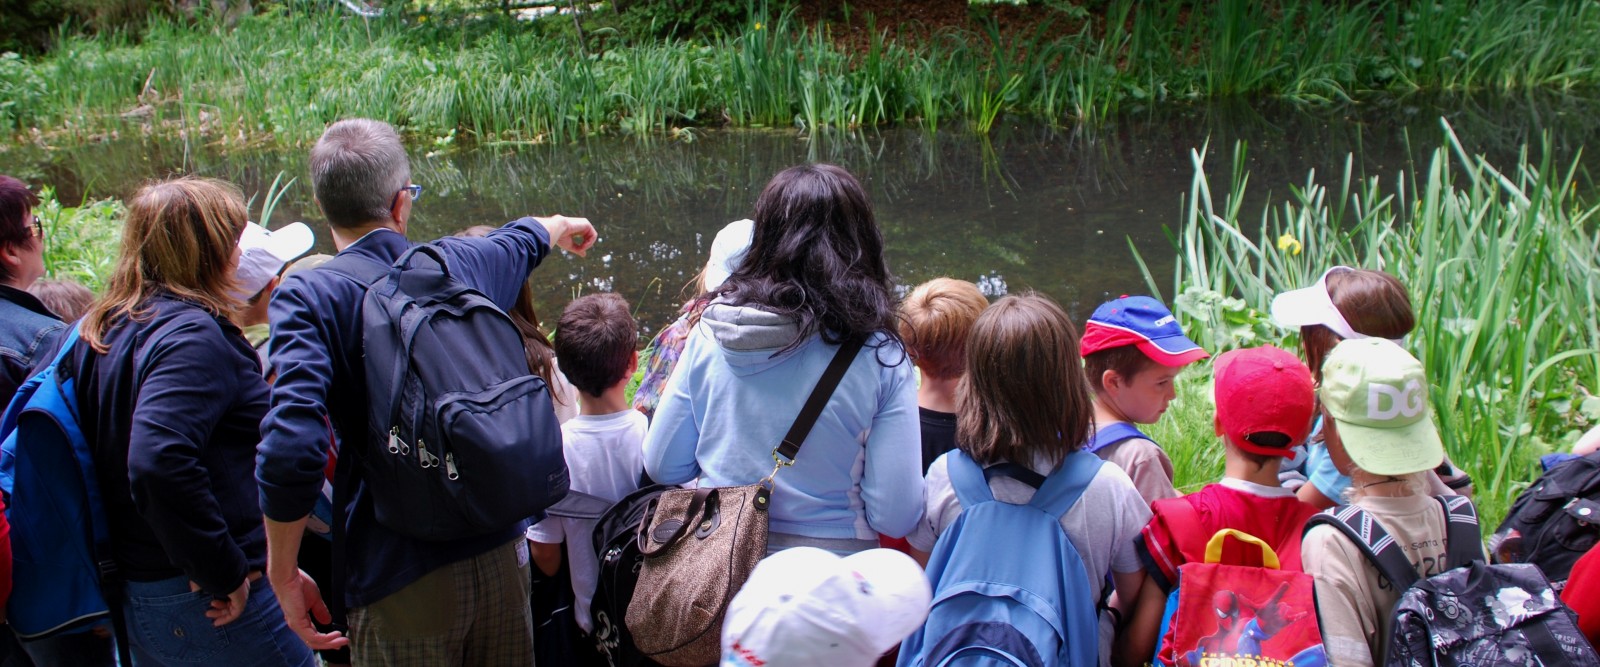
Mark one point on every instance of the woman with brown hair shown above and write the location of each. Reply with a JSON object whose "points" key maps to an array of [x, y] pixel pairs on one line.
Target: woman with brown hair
{"points": [[27, 327], [1349, 304], [173, 399]]}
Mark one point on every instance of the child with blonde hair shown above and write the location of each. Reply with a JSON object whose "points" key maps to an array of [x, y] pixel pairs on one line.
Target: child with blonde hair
{"points": [[935, 321]]}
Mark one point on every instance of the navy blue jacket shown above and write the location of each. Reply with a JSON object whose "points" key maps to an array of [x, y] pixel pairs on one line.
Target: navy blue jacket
{"points": [[27, 328], [172, 412], [316, 349]]}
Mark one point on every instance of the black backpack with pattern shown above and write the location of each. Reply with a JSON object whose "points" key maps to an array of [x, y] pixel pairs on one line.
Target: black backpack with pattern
{"points": [[1472, 613], [616, 544]]}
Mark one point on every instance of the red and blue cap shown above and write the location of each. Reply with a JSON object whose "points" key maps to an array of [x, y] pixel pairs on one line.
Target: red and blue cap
{"points": [[1144, 323]]}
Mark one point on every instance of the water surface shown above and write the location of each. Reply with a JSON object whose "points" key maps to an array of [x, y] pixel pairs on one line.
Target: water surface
{"points": [[1032, 207]]}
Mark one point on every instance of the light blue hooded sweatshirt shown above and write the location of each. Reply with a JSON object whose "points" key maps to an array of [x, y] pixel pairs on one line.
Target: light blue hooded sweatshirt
{"points": [[730, 401]]}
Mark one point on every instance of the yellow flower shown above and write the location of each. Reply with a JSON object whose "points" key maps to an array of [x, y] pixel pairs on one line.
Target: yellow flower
{"points": [[758, 25], [1289, 244]]}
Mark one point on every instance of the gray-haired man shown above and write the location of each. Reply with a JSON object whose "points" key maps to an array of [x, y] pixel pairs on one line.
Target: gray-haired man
{"points": [[411, 601]]}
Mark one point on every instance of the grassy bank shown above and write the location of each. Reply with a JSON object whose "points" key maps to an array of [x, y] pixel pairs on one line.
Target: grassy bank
{"points": [[1503, 265], [281, 78]]}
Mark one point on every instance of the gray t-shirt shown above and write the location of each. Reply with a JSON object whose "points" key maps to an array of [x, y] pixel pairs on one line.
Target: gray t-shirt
{"points": [[1102, 525]]}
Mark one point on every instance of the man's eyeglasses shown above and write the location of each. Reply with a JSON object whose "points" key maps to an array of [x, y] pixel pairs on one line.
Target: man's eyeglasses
{"points": [[38, 227], [414, 190]]}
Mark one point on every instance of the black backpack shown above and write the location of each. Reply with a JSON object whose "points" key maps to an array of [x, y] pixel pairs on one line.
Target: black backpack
{"points": [[462, 437], [1553, 522], [616, 543], [1472, 613]]}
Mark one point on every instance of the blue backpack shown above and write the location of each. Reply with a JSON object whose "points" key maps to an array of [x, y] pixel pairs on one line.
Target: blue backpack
{"points": [[1113, 434], [63, 574], [1032, 607]]}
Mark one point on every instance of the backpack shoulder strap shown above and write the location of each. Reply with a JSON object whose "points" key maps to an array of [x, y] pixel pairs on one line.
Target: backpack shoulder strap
{"points": [[8, 422], [1372, 539], [1112, 434], [1064, 486], [1463, 535], [967, 478], [359, 268]]}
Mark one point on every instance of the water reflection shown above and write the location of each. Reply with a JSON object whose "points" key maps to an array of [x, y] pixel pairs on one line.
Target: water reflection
{"points": [[1030, 208]]}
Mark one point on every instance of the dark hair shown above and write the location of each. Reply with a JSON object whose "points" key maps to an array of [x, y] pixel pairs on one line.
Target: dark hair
{"points": [[1373, 303], [816, 255], [1024, 394], [16, 227], [595, 339], [1126, 360]]}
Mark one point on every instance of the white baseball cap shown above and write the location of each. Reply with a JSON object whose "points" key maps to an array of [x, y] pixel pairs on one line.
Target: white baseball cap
{"points": [[728, 251], [263, 254], [806, 606], [1312, 305]]}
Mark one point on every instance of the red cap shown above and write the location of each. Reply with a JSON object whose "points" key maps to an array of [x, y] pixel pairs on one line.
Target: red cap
{"points": [[1263, 390]]}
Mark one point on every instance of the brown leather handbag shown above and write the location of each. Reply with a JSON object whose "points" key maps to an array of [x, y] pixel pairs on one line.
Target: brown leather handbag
{"points": [[700, 546]]}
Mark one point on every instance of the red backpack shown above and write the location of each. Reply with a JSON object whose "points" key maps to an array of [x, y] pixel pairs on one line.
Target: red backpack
{"points": [[1238, 613]]}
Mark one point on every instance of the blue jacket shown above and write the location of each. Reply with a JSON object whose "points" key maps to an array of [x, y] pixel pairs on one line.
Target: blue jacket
{"points": [[172, 412], [26, 329], [316, 349], [731, 399]]}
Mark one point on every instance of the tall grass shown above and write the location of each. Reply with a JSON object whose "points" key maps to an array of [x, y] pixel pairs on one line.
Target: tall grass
{"points": [[80, 242], [1503, 266], [281, 78]]}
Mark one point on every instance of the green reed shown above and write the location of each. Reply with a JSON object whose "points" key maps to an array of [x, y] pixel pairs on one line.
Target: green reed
{"points": [[1503, 266], [281, 78]]}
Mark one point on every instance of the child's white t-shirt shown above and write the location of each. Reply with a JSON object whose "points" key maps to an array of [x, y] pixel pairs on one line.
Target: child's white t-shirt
{"points": [[1102, 525], [604, 458]]}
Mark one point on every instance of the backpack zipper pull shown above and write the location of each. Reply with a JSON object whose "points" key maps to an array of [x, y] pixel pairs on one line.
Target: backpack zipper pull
{"points": [[394, 439], [427, 460], [450, 466]]}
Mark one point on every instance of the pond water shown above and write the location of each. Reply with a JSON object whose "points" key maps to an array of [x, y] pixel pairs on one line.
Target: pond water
{"points": [[1032, 207]]}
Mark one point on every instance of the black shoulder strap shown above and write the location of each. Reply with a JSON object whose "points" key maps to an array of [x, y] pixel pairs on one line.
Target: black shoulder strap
{"points": [[1372, 539], [361, 269], [1463, 535], [819, 398], [1015, 471]]}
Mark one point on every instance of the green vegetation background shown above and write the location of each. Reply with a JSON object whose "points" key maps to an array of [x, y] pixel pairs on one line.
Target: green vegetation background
{"points": [[280, 74]]}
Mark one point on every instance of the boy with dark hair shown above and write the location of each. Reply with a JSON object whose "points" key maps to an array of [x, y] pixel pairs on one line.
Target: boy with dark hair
{"points": [[935, 321], [597, 342], [1133, 350], [1264, 406]]}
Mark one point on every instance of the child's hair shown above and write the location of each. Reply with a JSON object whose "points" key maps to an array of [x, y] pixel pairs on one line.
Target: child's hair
{"points": [[1024, 395], [1374, 303], [1126, 360], [595, 340], [68, 299], [935, 322]]}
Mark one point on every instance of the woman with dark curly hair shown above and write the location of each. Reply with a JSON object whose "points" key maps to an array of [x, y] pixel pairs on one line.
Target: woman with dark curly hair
{"points": [[814, 277]]}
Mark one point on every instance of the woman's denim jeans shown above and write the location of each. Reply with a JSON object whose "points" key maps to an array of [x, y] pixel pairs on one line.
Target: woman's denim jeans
{"points": [[168, 626]]}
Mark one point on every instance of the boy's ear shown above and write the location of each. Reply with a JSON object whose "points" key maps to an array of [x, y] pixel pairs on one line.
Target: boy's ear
{"points": [[1111, 380], [1216, 424], [633, 363]]}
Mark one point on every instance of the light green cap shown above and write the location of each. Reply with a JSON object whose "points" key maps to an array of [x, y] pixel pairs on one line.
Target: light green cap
{"points": [[1377, 393]]}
